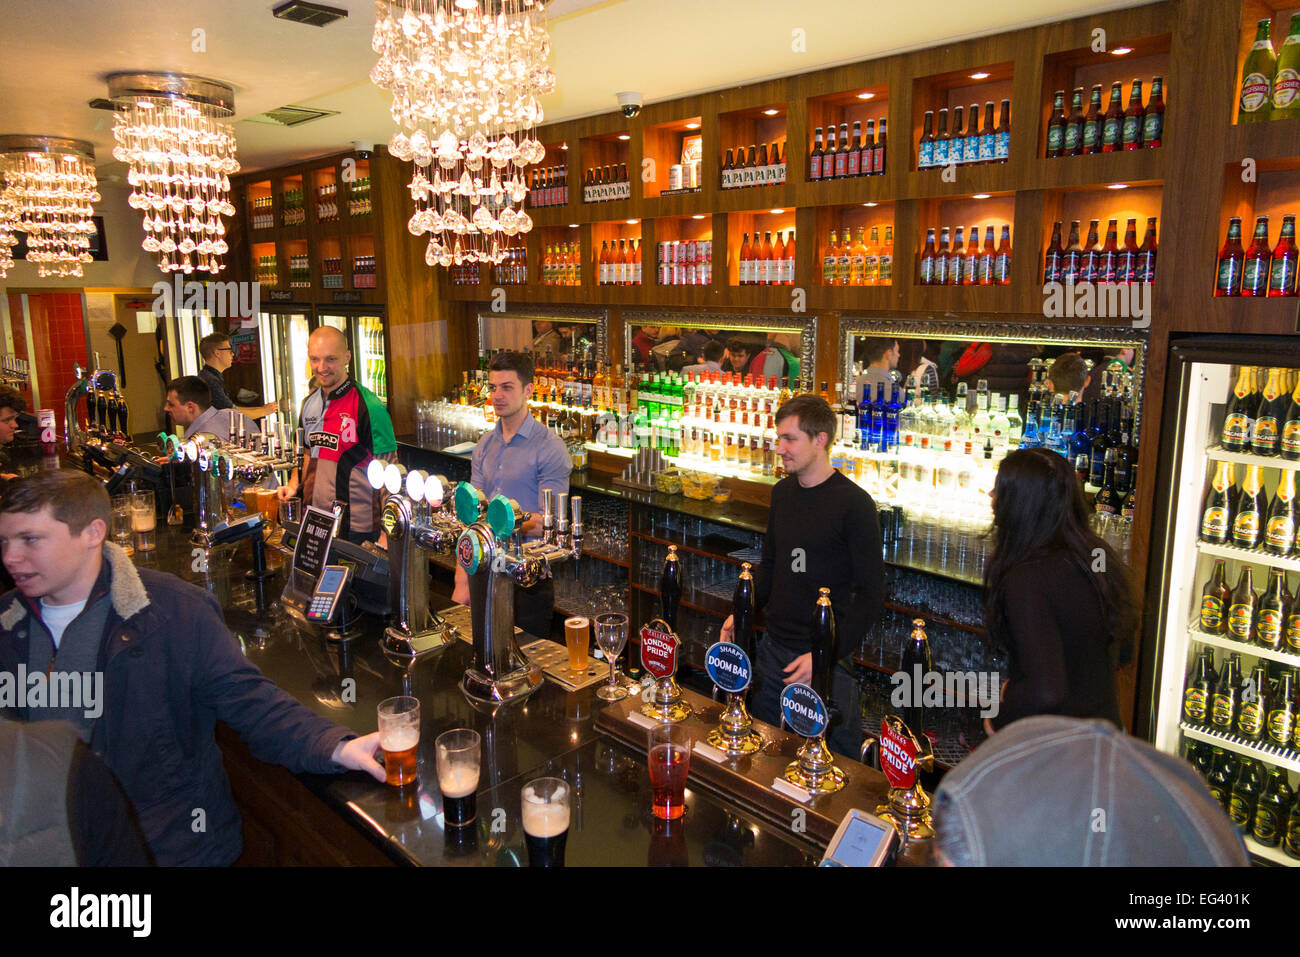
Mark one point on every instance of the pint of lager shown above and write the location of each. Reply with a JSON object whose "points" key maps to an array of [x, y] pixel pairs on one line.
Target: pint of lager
{"points": [[577, 634], [399, 737], [545, 806]]}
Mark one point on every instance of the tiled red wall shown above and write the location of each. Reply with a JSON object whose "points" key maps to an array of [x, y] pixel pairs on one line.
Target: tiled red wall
{"points": [[58, 342]]}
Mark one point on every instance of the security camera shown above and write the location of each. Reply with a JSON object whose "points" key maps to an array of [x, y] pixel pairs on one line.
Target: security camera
{"points": [[363, 148], [629, 103]]}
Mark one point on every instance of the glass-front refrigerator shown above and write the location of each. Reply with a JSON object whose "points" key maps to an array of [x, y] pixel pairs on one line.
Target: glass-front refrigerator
{"points": [[1219, 680], [286, 370], [368, 339], [191, 326]]}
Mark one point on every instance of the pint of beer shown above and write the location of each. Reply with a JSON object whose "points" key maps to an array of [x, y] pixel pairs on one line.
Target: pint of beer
{"points": [[577, 635], [669, 755], [399, 737], [545, 806], [458, 755]]}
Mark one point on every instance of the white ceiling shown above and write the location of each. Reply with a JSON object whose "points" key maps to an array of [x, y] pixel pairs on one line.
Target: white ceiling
{"points": [[54, 56]]}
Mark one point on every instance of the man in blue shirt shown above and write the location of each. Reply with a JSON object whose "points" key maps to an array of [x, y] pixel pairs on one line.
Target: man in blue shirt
{"points": [[218, 356], [518, 459]]}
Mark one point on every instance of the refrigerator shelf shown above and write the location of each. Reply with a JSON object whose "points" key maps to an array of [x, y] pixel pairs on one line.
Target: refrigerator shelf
{"points": [[1247, 555], [1268, 753], [1274, 854], [1231, 645], [1219, 454]]}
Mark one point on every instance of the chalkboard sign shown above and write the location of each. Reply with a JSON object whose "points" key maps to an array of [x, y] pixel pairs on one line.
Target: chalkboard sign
{"points": [[312, 550]]}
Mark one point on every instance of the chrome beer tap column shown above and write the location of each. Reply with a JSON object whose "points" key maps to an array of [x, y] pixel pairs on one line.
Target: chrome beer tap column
{"points": [[416, 517], [496, 561]]}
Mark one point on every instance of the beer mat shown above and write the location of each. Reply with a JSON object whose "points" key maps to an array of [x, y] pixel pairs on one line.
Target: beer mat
{"points": [[460, 449], [636, 717], [791, 790], [553, 658], [710, 752]]}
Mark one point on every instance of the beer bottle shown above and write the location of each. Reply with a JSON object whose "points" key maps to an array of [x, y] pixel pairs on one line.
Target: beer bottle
{"points": [[1091, 255], [1227, 281], [925, 152], [670, 587], [1281, 721], [1282, 270], [1215, 597], [1241, 610], [916, 652], [1128, 503], [1112, 127], [1108, 497], [1268, 410], [1274, 610], [1199, 757], [1289, 442], [1286, 81], [1254, 269], [742, 610], [1257, 77], [1216, 514], [1291, 845], [823, 638], [1271, 809], [1002, 135], [1223, 771], [1245, 792], [1072, 138], [1252, 506], [1132, 134], [1196, 696], [1056, 126], [1126, 269], [1072, 256], [1280, 532], [1238, 420], [1153, 120], [1052, 258], [1253, 711], [1092, 123], [1145, 271], [1108, 260]]}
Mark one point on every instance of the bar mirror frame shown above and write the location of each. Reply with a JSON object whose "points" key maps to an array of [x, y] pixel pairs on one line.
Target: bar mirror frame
{"points": [[806, 328], [997, 330], [569, 315]]}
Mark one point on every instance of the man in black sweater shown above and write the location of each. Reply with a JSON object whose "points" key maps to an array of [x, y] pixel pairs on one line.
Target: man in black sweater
{"points": [[822, 532]]}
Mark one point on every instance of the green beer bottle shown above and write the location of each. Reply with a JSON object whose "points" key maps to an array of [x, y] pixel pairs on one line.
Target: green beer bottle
{"points": [[1286, 81], [1257, 77]]}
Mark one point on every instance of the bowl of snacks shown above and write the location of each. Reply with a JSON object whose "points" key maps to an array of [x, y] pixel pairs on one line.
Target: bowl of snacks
{"points": [[669, 481], [700, 485]]}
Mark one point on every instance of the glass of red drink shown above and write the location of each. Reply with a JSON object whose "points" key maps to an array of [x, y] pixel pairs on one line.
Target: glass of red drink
{"points": [[670, 760]]}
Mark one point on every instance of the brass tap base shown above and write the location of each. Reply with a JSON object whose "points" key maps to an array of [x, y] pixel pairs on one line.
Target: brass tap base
{"points": [[481, 690], [818, 782], [669, 712], [915, 828], [414, 644], [746, 743]]}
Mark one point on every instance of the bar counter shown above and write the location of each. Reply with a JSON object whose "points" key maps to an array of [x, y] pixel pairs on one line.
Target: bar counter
{"points": [[316, 819]]}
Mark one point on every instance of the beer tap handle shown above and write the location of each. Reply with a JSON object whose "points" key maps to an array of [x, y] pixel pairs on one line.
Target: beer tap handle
{"points": [[562, 517], [548, 516], [576, 531], [867, 744]]}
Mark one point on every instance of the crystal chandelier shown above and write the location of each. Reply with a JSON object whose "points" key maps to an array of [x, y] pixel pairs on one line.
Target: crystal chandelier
{"points": [[180, 157], [465, 77], [48, 191]]}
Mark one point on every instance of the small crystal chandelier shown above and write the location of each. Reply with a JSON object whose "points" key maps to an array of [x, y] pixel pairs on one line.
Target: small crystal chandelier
{"points": [[48, 191], [465, 77], [180, 159]]}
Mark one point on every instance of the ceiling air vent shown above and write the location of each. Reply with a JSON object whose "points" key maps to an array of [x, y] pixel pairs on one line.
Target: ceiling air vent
{"points": [[290, 116], [312, 14]]}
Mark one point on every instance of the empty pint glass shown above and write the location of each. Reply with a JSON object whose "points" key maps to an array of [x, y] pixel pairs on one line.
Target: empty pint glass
{"points": [[545, 806], [123, 521], [458, 755], [670, 760], [577, 635], [399, 737], [144, 521]]}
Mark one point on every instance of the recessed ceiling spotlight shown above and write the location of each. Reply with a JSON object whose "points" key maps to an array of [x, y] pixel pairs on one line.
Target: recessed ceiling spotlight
{"points": [[866, 96], [771, 112], [980, 196], [624, 136], [1120, 51], [981, 75], [1118, 186]]}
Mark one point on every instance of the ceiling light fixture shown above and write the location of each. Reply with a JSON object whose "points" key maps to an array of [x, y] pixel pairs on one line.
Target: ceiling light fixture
{"points": [[624, 137], [1118, 186], [1121, 51], [770, 112], [48, 191], [466, 84], [167, 129], [698, 216], [981, 75], [692, 125], [866, 96], [980, 196]]}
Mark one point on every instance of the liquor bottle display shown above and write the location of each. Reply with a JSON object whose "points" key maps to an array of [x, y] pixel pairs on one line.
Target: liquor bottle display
{"points": [[966, 263], [767, 263], [860, 261], [1258, 271], [690, 262], [1084, 132], [549, 186], [761, 165], [619, 264], [855, 154], [939, 148], [604, 184], [1071, 262]]}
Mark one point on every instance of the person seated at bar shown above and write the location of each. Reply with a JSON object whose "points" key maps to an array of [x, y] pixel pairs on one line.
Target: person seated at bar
{"points": [[519, 458], [1060, 599], [1053, 791], [1067, 376], [189, 403], [822, 532], [166, 665], [880, 356], [709, 359]]}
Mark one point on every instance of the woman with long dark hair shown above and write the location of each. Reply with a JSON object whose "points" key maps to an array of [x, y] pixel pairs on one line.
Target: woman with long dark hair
{"points": [[1059, 599]]}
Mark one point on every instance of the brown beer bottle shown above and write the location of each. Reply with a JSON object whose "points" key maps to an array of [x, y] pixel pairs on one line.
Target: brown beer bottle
{"points": [[1282, 712], [1132, 135], [1223, 772], [1270, 620], [1289, 443], [1196, 696], [1241, 804], [1253, 710], [1112, 127], [1267, 434], [1215, 598], [1239, 418], [1241, 617], [1092, 123], [1248, 522], [1216, 514], [1275, 800], [1280, 532], [1056, 126], [1072, 144]]}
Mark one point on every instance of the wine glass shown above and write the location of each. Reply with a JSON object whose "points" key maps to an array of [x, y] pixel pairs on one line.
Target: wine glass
{"points": [[611, 636]]}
